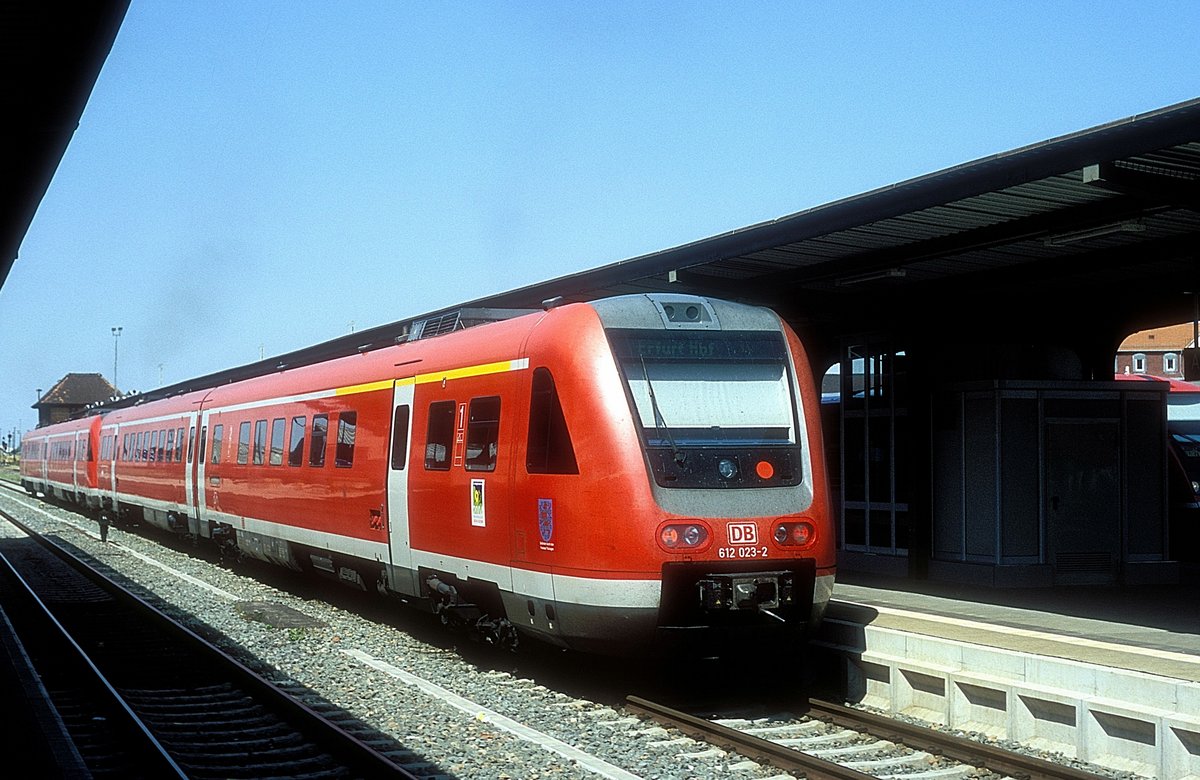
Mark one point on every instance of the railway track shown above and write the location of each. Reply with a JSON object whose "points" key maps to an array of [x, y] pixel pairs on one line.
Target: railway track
{"points": [[133, 694], [832, 742]]}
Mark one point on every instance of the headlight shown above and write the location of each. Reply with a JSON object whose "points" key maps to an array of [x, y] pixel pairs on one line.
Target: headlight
{"points": [[798, 533], [727, 468], [683, 536]]}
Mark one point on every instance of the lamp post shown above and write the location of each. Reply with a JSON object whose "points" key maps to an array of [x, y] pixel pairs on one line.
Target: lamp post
{"points": [[116, 332]]}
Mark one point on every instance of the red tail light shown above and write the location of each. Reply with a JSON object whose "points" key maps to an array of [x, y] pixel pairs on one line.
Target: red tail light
{"points": [[683, 536], [795, 533]]}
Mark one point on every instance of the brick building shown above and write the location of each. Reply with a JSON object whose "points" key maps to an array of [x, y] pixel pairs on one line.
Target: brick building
{"points": [[1156, 352], [72, 394]]}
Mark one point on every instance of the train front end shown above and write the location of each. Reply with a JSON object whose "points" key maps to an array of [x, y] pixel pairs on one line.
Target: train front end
{"points": [[733, 509]]}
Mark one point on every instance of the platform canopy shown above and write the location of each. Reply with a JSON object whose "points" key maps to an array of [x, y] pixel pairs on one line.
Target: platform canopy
{"points": [[1086, 237], [1102, 225], [1089, 236], [51, 53]]}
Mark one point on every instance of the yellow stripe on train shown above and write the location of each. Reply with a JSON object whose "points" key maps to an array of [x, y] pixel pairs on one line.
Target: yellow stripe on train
{"points": [[465, 372]]}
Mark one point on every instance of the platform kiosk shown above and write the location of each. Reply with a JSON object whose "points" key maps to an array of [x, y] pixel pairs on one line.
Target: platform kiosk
{"points": [[1045, 483]]}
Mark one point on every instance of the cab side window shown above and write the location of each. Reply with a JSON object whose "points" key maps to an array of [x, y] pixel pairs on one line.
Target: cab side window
{"points": [[483, 433], [550, 450], [439, 436]]}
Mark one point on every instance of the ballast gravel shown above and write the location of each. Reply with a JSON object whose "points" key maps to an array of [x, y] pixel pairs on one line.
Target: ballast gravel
{"points": [[316, 650]]}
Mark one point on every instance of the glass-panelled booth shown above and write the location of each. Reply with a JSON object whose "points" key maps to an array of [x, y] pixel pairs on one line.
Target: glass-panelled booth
{"points": [[1011, 483], [1047, 483]]}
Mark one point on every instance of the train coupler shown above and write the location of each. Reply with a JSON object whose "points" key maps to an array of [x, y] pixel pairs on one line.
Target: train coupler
{"points": [[761, 590]]}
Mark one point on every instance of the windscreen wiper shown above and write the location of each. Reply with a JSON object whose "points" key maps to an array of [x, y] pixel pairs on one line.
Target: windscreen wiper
{"points": [[660, 422]]}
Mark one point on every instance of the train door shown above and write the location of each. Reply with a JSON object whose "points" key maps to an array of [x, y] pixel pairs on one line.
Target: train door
{"points": [[111, 487], [78, 452], [45, 465], [193, 473], [401, 575]]}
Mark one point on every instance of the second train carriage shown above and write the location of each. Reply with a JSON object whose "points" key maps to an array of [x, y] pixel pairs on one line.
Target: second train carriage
{"points": [[60, 461], [607, 476]]}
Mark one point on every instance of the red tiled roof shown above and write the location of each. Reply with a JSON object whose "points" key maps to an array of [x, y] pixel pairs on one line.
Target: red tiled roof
{"points": [[1171, 338], [77, 390]]}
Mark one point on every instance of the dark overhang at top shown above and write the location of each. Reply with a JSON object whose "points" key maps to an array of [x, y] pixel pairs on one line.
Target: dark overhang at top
{"points": [[1114, 210], [1098, 227], [51, 53]]}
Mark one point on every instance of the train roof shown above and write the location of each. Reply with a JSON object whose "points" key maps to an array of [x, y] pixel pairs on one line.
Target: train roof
{"points": [[426, 326]]}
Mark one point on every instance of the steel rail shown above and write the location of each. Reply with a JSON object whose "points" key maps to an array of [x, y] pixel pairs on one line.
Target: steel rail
{"points": [[748, 745], [359, 756], [936, 742], [144, 742]]}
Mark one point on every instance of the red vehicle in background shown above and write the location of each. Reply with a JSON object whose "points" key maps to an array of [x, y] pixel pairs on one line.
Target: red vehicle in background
{"points": [[620, 476], [1183, 464], [60, 461]]}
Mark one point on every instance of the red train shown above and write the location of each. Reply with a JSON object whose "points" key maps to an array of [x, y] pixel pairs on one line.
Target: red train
{"points": [[607, 476]]}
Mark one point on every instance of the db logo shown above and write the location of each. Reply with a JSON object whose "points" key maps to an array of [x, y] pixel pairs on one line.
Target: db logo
{"points": [[743, 533]]}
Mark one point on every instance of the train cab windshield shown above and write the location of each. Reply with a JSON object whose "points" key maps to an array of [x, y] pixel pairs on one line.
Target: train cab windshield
{"points": [[712, 406]]}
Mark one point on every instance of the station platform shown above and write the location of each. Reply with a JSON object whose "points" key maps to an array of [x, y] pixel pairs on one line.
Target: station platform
{"points": [[1105, 674]]}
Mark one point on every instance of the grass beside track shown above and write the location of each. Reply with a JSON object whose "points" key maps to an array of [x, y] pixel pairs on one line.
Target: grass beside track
{"points": [[10, 472]]}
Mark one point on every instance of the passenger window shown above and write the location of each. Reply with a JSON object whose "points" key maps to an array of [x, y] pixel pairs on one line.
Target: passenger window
{"points": [[320, 430], [260, 442], [153, 446], [550, 450], [296, 453], [203, 440], [278, 426], [400, 438], [439, 436], [191, 441], [347, 429], [483, 433], [179, 444], [217, 441], [171, 444], [162, 444], [244, 443]]}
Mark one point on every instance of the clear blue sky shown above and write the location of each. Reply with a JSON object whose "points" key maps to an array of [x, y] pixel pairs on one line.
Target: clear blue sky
{"points": [[260, 176]]}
